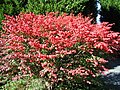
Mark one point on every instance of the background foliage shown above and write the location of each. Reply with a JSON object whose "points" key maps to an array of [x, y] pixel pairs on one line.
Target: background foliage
{"points": [[43, 6]]}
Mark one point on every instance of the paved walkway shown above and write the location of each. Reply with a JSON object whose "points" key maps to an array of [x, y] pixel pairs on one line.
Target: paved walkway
{"points": [[112, 78]]}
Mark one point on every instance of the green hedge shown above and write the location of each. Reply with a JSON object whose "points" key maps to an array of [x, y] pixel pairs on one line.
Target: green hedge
{"points": [[43, 6], [107, 4]]}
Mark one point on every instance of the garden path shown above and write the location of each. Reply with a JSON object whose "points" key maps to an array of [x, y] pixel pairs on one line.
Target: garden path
{"points": [[112, 76]]}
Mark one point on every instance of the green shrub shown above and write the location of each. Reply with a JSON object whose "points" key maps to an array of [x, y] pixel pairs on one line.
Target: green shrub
{"points": [[43, 6], [107, 4]]}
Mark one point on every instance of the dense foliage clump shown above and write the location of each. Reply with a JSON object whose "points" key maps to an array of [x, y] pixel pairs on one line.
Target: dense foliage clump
{"points": [[60, 48]]}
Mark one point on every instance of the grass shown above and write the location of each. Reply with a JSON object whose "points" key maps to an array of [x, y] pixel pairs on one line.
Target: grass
{"points": [[28, 83]]}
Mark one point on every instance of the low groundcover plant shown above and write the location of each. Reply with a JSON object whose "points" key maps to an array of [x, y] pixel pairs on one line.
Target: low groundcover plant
{"points": [[60, 48]]}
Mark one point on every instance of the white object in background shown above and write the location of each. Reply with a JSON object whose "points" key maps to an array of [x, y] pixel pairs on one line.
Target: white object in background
{"points": [[98, 17]]}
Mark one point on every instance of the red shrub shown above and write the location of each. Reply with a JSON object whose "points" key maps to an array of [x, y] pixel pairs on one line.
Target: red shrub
{"points": [[46, 45]]}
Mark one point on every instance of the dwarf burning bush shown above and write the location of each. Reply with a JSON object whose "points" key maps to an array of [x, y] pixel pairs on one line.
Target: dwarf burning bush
{"points": [[60, 48]]}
